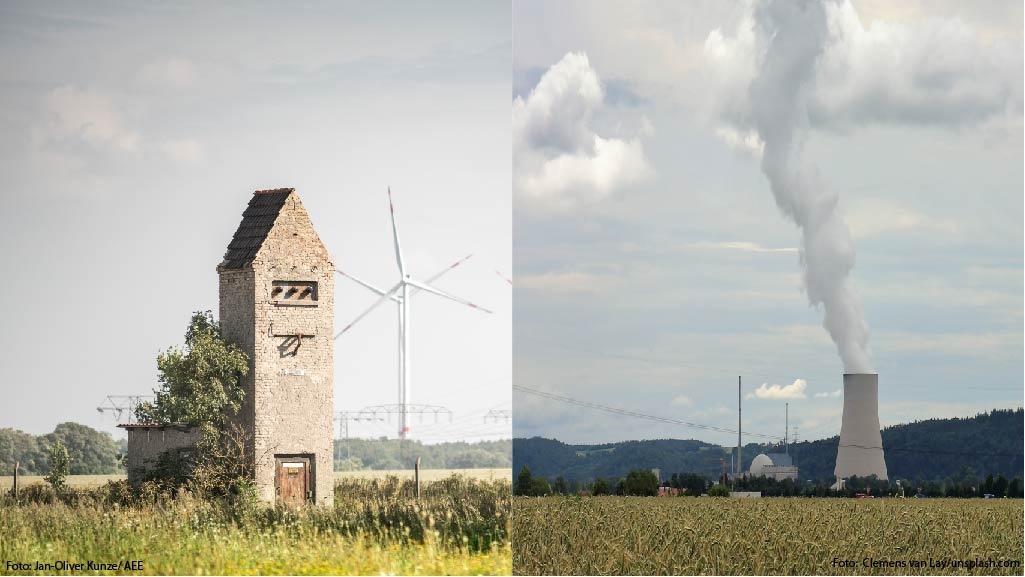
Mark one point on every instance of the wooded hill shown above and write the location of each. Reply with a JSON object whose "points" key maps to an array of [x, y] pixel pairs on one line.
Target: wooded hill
{"points": [[933, 449]]}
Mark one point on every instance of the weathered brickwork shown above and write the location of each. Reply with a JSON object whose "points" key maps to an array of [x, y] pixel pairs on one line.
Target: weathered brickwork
{"points": [[289, 390], [147, 442]]}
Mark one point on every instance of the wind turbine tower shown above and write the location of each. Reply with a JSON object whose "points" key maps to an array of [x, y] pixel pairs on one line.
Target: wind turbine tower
{"points": [[401, 294]]}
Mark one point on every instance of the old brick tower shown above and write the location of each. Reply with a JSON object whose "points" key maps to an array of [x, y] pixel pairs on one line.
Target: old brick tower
{"points": [[277, 303]]}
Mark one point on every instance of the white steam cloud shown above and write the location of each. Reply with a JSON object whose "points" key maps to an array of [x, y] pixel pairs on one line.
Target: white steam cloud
{"points": [[788, 39], [791, 65]]}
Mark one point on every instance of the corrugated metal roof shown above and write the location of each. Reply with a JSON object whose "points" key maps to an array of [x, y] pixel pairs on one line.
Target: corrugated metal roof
{"points": [[257, 220]]}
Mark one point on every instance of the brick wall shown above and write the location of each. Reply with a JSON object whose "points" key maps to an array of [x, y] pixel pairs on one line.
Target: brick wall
{"points": [[289, 391], [146, 444]]}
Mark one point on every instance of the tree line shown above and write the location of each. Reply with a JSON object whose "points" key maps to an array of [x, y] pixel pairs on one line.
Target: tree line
{"points": [[644, 483], [384, 454], [90, 452]]}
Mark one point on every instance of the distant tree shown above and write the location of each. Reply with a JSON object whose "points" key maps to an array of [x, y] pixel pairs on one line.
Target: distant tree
{"points": [[539, 487], [641, 483], [1015, 489], [987, 485], [59, 461], [574, 487], [719, 490], [92, 452], [560, 485], [1000, 486], [600, 487], [20, 447], [524, 482], [200, 383]]}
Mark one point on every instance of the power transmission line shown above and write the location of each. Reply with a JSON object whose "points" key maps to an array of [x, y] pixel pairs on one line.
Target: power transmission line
{"points": [[718, 370], [635, 414]]}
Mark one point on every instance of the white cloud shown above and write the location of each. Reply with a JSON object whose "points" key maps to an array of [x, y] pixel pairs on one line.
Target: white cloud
{"points": [[184, 151], [87, 116], [175, 73], [562, 282], [742, 245], [875, 217], [681, 401], [794, 390], [559, 159], [831, 394], [931, 71]]}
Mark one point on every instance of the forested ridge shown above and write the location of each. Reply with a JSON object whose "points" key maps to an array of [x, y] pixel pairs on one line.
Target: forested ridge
{"points": [[934, 449]]}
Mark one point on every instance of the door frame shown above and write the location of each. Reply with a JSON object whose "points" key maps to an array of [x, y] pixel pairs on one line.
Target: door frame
{"points": [[309, 461]]}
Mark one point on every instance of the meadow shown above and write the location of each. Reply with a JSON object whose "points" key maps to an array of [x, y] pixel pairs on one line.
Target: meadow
{"points": [[458, 525], [772, 536]]}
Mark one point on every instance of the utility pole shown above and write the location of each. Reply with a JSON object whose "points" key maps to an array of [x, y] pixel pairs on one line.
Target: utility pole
{"points": [[740, 444], [119, 405], [495, 415]]}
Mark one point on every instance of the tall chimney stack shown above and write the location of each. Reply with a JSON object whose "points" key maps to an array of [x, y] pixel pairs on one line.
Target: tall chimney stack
{"points": [[861, 445]]}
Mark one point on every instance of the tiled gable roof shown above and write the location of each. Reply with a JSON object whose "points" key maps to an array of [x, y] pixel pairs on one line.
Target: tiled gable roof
{"points": [[257, 221]]}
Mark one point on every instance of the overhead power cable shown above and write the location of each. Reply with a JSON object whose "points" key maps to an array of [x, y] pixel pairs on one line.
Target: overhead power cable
{"points": [[635, 414]]}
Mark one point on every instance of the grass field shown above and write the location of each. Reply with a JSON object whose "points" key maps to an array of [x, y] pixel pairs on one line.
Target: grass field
{"points": [[458, 526], [773, 536], [85, 481]]}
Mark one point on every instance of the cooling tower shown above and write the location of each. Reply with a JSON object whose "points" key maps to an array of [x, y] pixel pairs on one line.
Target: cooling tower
{"points": [[861, 446]]}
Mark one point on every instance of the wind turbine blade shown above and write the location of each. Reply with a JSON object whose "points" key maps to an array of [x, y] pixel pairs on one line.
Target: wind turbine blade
{"points": [[376, 304], [503, 277], [395, 235], [365, 284], [442, 273], [441, 293]]}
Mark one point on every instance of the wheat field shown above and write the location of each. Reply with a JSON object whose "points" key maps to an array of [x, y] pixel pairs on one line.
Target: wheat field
{"points": [[772, 536]]}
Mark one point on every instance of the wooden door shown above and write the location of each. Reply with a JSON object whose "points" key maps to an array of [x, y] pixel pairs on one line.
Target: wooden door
{"points": [[292, 480]]}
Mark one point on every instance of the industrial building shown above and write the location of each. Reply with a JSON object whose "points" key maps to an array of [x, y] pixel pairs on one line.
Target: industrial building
{"points": [[777, 466], [861, 443]]}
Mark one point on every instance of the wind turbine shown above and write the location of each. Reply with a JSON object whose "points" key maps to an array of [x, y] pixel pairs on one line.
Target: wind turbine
{"points": [[401, 294]]}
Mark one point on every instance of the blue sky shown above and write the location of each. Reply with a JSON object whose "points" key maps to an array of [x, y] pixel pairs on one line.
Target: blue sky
{"points": [[654, 270], [133, 137]]}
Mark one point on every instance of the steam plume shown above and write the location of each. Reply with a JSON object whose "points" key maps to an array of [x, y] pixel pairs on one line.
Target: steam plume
{"points": [[787, 39]]}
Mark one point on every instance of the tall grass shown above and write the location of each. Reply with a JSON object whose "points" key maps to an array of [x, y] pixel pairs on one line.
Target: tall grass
{"points": [[457, 526], [775, 536]]}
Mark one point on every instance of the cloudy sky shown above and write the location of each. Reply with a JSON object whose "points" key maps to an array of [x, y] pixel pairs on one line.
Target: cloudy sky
{"points": [[697, 185], [132, 139]]}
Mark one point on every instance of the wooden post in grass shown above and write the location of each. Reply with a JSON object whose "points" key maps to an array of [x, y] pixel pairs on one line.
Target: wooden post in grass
{"points": [[416, 479], [17, 465]]}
